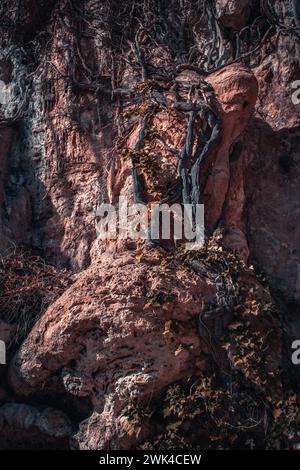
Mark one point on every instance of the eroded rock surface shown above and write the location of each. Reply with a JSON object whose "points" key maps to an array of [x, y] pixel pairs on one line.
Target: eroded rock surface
{"points": [[26, 426], [139, 320]]}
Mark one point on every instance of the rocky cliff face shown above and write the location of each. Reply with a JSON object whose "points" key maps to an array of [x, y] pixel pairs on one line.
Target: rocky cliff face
{"points": [[130, 344]]}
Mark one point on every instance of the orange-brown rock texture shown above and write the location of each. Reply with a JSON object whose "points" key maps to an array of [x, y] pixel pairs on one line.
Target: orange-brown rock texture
{"points": [[130, 344]]}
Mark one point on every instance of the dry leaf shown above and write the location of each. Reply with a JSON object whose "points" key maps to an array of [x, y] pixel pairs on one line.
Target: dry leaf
{"points": [[178, 350]]}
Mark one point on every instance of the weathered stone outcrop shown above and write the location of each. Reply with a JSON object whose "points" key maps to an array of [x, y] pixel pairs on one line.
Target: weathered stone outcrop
{"points": [[32, 428], [211, 87]]}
